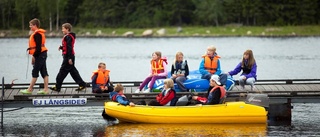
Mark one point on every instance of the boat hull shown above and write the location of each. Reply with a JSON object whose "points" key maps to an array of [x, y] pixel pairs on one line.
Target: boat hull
{"points": [[231, 112]]}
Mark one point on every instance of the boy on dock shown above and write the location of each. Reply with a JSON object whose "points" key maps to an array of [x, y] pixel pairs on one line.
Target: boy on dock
{"points": [[68, 63], [38, 51]]}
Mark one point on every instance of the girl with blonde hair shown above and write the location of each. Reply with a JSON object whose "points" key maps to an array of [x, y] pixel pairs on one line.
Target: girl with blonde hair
{"points": [[167, 97], [180, 71]]}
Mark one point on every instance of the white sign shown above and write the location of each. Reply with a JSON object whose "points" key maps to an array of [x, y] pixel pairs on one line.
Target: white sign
{"points": [[59, 101]]}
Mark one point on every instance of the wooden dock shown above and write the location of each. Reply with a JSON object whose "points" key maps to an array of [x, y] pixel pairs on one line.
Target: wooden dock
{"points": [[297, 90]]}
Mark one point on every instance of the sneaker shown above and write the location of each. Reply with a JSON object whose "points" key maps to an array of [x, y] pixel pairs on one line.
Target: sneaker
{"points": [[42, 92], [54, 88], [146, 91], [137, 91], [88, 85], [25, 92], [253, 88], [80, 88]]}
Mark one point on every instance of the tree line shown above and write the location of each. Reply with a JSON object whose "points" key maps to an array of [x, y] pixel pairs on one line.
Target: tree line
{"points": [[15, 14]]}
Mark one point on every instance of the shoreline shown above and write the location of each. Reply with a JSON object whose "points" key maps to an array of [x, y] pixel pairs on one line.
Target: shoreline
{"points": [[178, 32], [173, 36]]}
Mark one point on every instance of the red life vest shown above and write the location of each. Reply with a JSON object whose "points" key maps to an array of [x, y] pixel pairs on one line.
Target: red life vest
{"points": [[211, 65], [64, 44], [222, 95], [114, 97], [102, 77], [222, 90]]}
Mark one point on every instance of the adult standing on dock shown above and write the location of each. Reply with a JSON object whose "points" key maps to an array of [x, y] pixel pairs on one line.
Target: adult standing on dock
{"points": [[68, 63], [38, 51], [248, 67]]}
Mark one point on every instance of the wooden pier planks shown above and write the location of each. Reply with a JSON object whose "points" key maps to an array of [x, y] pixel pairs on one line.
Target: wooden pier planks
{"points": [[70, 91]]}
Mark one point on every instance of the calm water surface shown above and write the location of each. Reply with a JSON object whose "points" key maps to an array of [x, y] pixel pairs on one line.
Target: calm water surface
{"points": [[128, 58]]}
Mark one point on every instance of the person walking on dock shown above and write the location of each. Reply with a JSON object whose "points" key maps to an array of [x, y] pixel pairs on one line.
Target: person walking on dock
{"points": [[68, 63], [38, 51]]}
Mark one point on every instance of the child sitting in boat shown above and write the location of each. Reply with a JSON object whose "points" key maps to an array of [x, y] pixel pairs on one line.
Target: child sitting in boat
{"points": [[249, 68], [101, 80], [167, 97], [118, 96], [158, 71], [180, 71], [216, 92]]}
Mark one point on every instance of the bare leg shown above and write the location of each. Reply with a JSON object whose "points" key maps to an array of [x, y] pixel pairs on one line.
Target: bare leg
{"points": [[46, 82], [33, 81]]}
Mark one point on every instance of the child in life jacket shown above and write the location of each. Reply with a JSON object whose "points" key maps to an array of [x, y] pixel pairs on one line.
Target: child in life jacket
{"points": [[101, 80], [158, 70], [180, 71], [248, 66], [167, 97], [216, 92], [118, 96]]}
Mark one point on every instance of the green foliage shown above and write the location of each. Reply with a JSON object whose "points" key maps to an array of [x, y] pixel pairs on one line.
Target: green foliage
{"points": [[158, 13], [210, 12]]}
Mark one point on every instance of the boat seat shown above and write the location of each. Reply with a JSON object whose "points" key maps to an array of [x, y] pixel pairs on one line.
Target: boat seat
{"points": [[182, 101]]}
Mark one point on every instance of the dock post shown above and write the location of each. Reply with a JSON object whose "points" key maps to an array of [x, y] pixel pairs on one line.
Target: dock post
{"points": [[2, 101], [280, 113]]}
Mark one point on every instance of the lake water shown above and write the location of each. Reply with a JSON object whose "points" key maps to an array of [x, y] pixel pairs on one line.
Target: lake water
{"points": [[128, 58]]}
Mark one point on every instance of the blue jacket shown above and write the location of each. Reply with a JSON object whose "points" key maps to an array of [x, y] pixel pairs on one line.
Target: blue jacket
{"points": [[120, 98], [203, 71], [252, 73]]}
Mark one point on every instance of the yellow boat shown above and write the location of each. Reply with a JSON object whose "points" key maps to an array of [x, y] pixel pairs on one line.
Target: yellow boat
{"points": [[230, 112]]}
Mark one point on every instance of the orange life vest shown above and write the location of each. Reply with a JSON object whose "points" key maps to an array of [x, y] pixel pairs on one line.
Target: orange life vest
{"points": [[32, 42], [222, 90], [157, 66], [211, 65], [102, 77]]}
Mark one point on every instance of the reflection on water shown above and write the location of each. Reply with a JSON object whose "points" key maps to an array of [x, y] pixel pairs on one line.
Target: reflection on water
{"points": [[87, 121], [126, 129]]}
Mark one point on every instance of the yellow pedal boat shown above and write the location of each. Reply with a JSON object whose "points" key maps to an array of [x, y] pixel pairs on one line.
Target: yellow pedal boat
{"points": [[229, 112]]}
